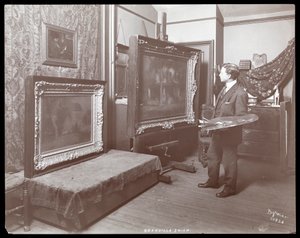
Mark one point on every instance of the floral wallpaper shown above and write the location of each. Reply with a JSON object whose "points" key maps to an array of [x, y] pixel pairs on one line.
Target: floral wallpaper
{"points": [[23, 29]]}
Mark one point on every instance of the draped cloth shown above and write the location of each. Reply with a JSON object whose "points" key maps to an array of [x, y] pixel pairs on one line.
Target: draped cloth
{"points": [[72, 190], [262, 82]]}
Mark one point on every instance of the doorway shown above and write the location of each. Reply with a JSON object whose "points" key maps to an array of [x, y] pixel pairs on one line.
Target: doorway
{"points": [[207, 69]]}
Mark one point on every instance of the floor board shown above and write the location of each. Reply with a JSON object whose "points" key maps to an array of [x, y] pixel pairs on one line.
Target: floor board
{"points": [[182, 207]]}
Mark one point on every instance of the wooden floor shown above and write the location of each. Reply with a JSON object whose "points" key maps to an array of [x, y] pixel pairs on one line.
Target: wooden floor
{"points": [[265, 203]]}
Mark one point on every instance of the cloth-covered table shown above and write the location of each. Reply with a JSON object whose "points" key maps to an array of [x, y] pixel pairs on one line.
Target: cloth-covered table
{"points": [[13, 191], [73, 190]]}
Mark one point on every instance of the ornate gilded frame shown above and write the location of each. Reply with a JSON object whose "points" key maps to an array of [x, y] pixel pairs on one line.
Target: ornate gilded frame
{"points": [[68, 92], [207, 69], [141, 47]]}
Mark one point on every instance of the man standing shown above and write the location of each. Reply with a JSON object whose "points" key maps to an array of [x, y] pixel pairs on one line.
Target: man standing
{"points": [[231, 101]]}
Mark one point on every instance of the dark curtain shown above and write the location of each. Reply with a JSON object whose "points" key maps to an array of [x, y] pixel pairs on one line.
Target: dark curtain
{"points": [[261, 82]]}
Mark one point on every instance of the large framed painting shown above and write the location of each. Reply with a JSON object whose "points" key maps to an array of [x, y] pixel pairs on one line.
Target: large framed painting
{"points": [[59, 46], [163, 84], [63, 122]]}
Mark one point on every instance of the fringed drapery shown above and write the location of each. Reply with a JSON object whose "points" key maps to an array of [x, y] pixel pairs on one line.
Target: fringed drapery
{"points": [[262, 82]]}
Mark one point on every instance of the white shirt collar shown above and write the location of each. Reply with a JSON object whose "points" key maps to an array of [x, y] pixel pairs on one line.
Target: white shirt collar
{"points": [[230, 84]]}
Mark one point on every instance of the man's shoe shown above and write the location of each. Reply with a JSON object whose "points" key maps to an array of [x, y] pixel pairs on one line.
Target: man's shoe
{"points": [[225, 193], [208, 184]]}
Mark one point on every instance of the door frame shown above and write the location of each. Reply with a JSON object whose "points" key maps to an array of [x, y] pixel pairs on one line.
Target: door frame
{"points": [[209, 77]]}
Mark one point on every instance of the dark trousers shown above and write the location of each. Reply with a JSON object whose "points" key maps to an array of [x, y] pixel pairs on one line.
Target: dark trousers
{"points": [[220, 152]]}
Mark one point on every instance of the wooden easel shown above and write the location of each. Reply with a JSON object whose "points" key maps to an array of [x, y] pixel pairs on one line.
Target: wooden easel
{"points": [[162, 151]]}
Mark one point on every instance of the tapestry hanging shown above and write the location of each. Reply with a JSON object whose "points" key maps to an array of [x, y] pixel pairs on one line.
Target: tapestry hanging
{"points": [[263, 81]]}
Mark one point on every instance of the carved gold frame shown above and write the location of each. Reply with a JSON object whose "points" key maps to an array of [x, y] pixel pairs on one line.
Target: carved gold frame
{"points": [[95, 91], [145, 46], [189, 116]]}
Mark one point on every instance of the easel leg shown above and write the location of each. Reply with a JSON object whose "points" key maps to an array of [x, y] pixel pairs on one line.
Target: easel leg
{"points": [[175, 165], [185, 167], [165, 178]]}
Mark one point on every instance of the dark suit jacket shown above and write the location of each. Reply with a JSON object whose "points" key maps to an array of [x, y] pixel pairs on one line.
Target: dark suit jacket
{"points": [[233, 103]]}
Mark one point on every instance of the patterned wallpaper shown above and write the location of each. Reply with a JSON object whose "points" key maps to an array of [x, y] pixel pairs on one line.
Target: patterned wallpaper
{"points": [[23, 29]]}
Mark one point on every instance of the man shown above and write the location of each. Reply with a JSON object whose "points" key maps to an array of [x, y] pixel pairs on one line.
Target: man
{"points": [[231, 101]]}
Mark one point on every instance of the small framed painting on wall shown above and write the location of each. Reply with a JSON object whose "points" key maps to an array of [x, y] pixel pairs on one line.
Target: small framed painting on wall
{"points": [[59, 46]]}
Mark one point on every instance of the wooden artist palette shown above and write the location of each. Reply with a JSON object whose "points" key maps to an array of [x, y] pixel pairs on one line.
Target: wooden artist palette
{"points": [[227, 122]]}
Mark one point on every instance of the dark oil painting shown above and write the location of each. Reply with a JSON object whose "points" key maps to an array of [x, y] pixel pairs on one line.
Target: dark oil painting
{"points": [[163, 87], [65, 121]]}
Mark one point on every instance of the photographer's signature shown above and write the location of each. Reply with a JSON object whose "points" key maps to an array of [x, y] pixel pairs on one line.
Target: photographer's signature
{"points": [[276, 216]]}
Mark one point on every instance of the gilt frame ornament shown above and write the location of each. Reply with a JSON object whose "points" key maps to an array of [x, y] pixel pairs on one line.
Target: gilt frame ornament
{"points": [[164, 76], [67, 122]]}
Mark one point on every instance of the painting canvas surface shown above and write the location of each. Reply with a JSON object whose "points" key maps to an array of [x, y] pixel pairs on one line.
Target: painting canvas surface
{"points": [[66, 121], [163, 87]]}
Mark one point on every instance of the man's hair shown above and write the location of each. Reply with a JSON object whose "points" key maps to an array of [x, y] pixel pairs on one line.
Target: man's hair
{"points": [[232, 69]]}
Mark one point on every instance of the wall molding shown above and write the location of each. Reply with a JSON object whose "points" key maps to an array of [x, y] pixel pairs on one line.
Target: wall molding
{"points": [[237, 22], [192, 20], [260, 20]]}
